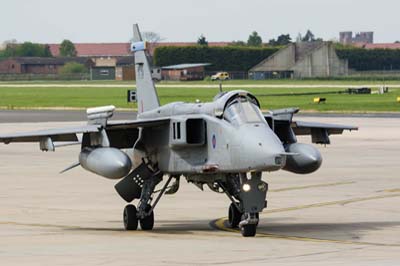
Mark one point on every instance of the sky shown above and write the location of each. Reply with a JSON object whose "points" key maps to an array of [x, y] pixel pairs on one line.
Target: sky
{"points": [[51, 21]]}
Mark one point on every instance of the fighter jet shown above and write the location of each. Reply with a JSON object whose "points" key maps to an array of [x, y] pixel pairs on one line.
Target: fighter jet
{"points": [[226, 145]]}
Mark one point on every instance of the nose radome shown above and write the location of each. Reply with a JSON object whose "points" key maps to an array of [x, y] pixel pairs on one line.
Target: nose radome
{"points": [[262, 150]]}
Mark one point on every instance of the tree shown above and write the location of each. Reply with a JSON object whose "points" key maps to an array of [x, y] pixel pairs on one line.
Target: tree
{"points": [[202, 40], [27, 49], [73, 68], [309, 37], [238, 43], [67, 49], [151, 37], [283, 39], [254, 39]]}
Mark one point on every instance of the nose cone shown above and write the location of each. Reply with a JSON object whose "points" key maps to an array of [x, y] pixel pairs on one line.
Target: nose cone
{"points": [[261, 149]]}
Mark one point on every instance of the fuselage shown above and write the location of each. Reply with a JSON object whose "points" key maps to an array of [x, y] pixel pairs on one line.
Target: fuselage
{"points": [[228, 135]]}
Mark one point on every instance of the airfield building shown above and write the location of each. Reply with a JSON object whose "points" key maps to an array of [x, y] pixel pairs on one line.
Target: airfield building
{"points": [[184, 72], [346, 37], [301, 60], [39, 65]]}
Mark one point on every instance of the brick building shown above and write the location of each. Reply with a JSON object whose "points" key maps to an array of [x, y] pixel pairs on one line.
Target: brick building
{"points": [[39, 65]]}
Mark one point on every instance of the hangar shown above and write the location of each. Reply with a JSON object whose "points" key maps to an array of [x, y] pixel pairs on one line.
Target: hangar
{"points": [[301, 60], [184, 72]]}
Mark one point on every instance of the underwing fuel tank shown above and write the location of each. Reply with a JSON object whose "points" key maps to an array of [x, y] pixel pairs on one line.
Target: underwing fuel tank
{"points": [[107, 162], [307, 160]]}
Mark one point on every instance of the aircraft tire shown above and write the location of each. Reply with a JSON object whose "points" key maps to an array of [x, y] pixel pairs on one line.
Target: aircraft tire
{"points": [[147, 223], [249, 230], [130, 218], [234, 216]]}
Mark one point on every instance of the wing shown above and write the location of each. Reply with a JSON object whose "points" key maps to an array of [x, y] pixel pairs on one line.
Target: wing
{"points": [[124, 134], [128, 124], [120, 134], [305, 128], [62, 134], [319, 132], [281, 121]]}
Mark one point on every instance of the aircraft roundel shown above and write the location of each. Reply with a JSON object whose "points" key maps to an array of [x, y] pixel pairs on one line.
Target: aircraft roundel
{"points": [[214, 141]]}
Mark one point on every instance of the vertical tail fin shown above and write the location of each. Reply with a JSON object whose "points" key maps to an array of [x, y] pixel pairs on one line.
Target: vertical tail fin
{"points": [[146, 93]]}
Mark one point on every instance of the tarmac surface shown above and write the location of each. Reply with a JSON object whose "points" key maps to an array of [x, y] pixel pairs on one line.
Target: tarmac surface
{"points": [[347, 213]]}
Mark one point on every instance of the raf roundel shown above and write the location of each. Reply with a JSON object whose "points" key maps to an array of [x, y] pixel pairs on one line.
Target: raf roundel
{"points": [[214, 142]]}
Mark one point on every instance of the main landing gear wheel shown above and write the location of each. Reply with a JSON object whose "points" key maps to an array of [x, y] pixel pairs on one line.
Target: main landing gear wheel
{"points": [[234, 216], [249, 230], [147, 223], [130, 218]]}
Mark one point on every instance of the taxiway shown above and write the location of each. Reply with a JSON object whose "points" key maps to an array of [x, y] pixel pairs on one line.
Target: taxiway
{"points": [[346, 213]]}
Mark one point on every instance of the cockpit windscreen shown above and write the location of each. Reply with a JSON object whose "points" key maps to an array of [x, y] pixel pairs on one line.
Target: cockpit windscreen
{"points": [[241, 111]]}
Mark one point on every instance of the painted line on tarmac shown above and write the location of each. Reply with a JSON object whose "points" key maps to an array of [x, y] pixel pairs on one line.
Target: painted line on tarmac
{"points": [[312, 186], [395, 190], [331, 203], [222, 223]]}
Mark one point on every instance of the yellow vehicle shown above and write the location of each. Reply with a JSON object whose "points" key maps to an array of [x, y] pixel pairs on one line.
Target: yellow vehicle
{"points": [[220, 76]]}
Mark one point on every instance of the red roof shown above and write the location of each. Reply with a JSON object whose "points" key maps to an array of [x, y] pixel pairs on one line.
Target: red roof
{"points": [[96, 49], [120, 49], [378, 45]]}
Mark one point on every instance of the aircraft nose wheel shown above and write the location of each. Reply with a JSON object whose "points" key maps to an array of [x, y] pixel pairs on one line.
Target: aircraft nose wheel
{"points": [[249, 223], [234, 216], [147, 223], [130, 218], [249, 230]]}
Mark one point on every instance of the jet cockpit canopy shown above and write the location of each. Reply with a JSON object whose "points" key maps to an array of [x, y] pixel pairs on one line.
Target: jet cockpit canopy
{"points": [[241, 110]]}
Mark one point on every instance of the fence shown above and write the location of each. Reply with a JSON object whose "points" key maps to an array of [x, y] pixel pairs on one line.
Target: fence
{"points": [[27, 77]]}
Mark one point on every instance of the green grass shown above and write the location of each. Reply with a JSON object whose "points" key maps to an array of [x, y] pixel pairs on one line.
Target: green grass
{"points": [[83, 97], [377, 82]]}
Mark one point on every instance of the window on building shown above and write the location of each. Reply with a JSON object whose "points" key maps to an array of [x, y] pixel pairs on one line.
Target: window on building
{"points": [[104, 72]]}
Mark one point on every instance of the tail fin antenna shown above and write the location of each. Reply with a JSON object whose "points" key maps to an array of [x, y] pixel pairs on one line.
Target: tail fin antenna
{"points": [[147, 97]]}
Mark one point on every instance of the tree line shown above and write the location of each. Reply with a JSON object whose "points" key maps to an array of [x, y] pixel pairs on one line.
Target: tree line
{"points": [[29, 49], [255, 40]]}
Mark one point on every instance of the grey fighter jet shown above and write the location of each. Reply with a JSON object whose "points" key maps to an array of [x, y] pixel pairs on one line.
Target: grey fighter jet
{"points": [[225, 144]]}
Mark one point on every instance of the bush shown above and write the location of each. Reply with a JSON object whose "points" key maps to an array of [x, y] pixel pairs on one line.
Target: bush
{"points": [[370, 59], [228, 58], [73, 68]]}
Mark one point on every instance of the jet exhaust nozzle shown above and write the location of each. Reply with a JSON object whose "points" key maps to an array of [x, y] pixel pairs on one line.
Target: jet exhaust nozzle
{"points": [[110, 163], [306, 159]]}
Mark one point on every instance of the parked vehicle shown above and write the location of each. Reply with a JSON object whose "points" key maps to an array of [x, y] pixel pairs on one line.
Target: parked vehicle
{"points": [[220, 76]]}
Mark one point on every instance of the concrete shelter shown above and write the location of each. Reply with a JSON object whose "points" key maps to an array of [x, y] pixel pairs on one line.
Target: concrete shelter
{"points": [[302, 60]]}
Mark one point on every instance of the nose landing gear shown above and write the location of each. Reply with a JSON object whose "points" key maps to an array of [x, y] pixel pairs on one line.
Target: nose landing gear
{"points": [[235, 215], [248, 200]]}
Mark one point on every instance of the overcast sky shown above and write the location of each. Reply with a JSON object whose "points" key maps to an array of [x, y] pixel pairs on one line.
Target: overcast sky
{"points": [[50, 21]]}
